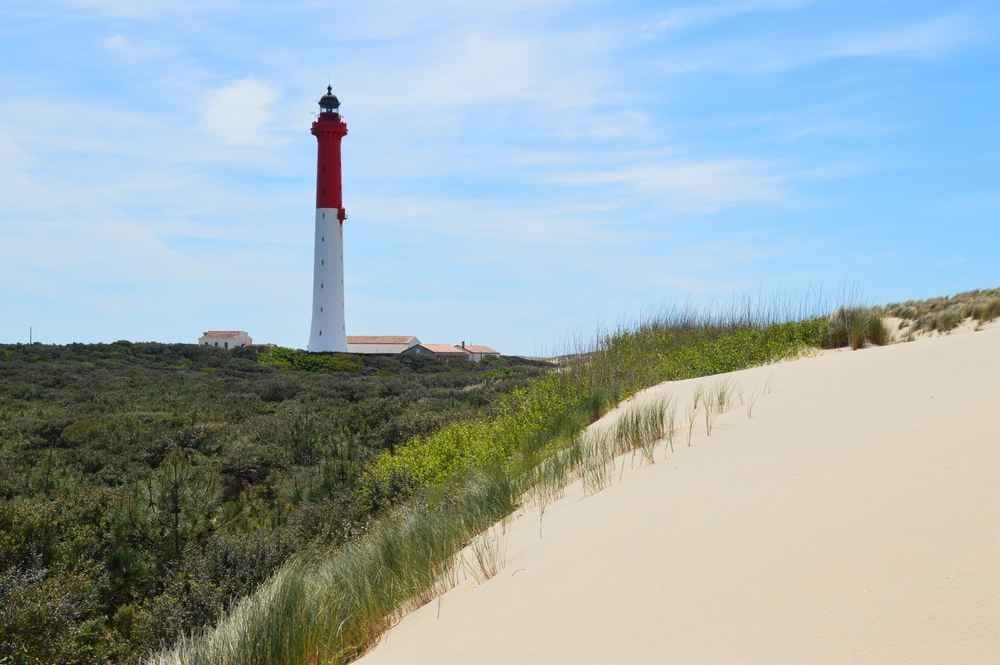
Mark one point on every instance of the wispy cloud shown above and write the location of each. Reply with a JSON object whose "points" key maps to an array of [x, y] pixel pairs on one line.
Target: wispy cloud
{"points": [[127, 49], [693, 16], [239, 112], [691, 187], [933, 37], [144, 9]]}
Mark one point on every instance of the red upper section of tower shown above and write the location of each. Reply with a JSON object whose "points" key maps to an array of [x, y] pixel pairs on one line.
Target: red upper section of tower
{"points": [[329, 129]]}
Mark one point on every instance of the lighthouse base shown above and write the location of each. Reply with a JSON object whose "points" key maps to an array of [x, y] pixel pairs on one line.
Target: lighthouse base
{"points": [[328, 332]]}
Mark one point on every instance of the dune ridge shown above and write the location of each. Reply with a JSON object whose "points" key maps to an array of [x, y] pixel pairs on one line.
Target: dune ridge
{"points": [[854, 518]]}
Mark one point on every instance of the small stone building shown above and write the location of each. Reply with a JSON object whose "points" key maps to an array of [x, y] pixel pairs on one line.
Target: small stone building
{"points": [[225, 339]]}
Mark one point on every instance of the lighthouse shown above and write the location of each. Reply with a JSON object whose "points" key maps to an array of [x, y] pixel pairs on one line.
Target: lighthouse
{"points": [[327, 332]]}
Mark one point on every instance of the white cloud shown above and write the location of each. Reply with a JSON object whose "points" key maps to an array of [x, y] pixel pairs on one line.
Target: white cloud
{"points": [[239, 112], [479, 69], [683, 18], [703, 187], [141, 9], [929, 38], [501, 224], [924, 38], [125, 48]]}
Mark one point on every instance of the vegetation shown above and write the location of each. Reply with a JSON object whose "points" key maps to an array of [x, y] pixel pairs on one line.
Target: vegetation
{"points": [[551, 411], [947, 313], [452, 484], [857, 326], [307, 500], [145, 488]]}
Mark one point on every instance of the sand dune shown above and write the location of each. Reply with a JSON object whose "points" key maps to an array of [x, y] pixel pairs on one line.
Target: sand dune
{"points": [[854, 519]]}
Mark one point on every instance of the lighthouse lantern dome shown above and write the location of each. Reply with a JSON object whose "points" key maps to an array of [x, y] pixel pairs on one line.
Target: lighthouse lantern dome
{"points": [[329, 103]]}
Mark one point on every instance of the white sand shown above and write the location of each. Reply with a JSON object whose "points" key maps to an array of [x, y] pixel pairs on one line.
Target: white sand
{"points": [[855, 519]]}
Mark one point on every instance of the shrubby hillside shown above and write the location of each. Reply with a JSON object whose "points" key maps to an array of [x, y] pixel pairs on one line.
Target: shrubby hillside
{"points": [[145, 487], [452, 484]]}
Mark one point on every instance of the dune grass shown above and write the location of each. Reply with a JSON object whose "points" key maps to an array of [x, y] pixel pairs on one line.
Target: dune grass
{"points": [[331, 606], [947, 313], [857, 326]]}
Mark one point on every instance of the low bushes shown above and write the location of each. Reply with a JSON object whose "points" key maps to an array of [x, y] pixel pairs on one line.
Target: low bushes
{"points": [[146, 488], [470, 474], [331, 606], [986, 312], [283, 358], [946, 314], [559, 406]]}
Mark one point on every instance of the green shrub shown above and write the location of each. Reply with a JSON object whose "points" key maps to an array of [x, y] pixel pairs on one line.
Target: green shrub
{"points": [[876, 331], [945, 314], [945, 321], [987, 312], [283, 358], [278, 390], [559, 406], [466, 476], [147, 488]]}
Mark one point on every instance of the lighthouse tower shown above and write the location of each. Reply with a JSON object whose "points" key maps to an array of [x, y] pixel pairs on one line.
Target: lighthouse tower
{"points": [[327, 332]]}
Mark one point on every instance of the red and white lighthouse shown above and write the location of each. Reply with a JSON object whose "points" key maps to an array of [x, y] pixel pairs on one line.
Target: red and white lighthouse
{"points": [[328, 332]]}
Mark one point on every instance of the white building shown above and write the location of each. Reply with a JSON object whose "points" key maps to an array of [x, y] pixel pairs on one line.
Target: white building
{"points": [[225, 339], [385, 344]]}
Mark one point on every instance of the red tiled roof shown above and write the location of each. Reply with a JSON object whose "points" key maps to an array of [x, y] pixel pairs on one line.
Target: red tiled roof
{"points": [[381, 339], [443, 348], [480, 348]]}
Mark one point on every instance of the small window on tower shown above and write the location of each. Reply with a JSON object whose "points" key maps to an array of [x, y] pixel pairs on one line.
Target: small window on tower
{"points": [[321, 309], [320, 333], [322, 262], [322, 238], [322, 215], [321, 285]]}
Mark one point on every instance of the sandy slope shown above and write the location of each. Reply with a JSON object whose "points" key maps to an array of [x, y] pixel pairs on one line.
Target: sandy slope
{"points": [[854, 519]]}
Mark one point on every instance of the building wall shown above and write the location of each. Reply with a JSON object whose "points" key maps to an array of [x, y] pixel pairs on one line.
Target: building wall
{"points": [[378, 348], [477, 356], [234, 341]]}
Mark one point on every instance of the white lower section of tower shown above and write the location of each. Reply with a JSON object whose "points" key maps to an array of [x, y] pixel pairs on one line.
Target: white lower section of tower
{"points": [[328, 332]]}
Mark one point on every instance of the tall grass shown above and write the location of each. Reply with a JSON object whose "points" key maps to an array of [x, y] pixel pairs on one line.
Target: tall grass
{"points": [[857, 326], [640, 428], [329, 607], [947, 313]]}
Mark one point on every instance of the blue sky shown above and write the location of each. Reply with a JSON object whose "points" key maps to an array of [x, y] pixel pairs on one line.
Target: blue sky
{"points": [[516, 173]]}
